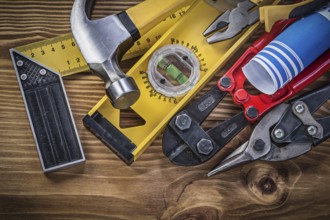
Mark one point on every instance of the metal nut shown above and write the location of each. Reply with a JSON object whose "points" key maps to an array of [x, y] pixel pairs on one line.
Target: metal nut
{"points": [[299, 108], [183, 122], [204, 146], [259, 145], [279, 133], [252, 112], [312, 130], [19, 63], [225, 82], [42, 72], [241, 95], [24, 76]]}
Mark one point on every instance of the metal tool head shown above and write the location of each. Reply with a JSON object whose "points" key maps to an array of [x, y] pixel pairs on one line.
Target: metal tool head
{"points": [[103, 42], [258, 147], [223, 5], [287, 152], [235, 20]]}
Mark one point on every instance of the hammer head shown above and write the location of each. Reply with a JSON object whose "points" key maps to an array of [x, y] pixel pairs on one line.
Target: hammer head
{"points": [[103, 42]]}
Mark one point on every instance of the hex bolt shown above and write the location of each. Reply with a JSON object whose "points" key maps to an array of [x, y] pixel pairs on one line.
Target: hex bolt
{"points": [[252, 112], [42, 72], [183, 122], [241, 95], [312, 130], [205, 147], [279, 133], [19, 63], [299, 108], [23, 77], [225, 82], [259, 145]]}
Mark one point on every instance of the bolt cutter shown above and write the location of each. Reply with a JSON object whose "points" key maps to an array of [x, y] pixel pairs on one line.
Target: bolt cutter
{"points": [[181, 145], [287, 131]]}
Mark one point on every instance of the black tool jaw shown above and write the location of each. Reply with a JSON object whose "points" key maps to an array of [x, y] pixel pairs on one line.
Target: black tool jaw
{"points": [[186, 143], [181, 156], [180, 139]]}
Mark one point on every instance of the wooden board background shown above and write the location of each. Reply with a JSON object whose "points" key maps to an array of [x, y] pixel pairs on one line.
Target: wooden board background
{"points": [[152, 188]]}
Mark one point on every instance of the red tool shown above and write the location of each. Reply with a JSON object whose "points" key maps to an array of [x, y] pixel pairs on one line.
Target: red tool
{"points": [[255, 106], [186, 143]]}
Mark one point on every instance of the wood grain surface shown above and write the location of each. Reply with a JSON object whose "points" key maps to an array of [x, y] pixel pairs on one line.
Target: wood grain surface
{"points": [[152, 188]]}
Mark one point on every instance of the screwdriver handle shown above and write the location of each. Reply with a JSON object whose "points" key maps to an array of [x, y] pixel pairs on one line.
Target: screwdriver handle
{"points": [[308, 8], [270, 14]]}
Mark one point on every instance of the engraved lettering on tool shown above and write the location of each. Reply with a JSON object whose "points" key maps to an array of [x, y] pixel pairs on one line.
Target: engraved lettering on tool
{"points": [[228, 130], [206, 103]]}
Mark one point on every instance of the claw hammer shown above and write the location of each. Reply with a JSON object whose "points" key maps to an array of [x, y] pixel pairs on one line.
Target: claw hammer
{"points": [[103, 42]]}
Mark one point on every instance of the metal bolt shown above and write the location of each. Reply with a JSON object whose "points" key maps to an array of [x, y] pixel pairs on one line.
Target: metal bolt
{"points": [[19, 63], [42, 72], [225, 82], [241, 95], [259, 145], [279, 133], [204, 146], [183, 122], [299, 108], [312, 130], [23, 77], [252, 112]]}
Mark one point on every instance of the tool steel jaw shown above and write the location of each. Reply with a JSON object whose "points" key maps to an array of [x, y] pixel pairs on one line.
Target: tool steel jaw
{"points": [[181, 150], [183, 146], [258, 146], [104, 121], [235, 20], [284, 133]]}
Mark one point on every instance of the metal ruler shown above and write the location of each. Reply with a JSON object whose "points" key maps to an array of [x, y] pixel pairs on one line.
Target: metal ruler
{"points": [[62, 54], [49, 113]]}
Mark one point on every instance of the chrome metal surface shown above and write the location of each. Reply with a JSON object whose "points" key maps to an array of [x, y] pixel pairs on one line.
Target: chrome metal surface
{"points": [[103, 42]]}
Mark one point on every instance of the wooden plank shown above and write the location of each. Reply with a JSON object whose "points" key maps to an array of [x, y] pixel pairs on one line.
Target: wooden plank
{"points": [[152, 188]]}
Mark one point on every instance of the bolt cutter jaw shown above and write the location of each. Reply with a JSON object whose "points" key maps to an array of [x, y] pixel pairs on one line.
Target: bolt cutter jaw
{"points": [[177, 145], [294, 120], [257, 147]]}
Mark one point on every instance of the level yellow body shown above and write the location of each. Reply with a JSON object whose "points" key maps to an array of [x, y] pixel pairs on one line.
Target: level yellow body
{"points": [[155, 108]]}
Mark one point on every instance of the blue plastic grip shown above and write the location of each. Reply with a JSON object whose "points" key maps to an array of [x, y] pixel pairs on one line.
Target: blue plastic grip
{"points": [[290, 53]]}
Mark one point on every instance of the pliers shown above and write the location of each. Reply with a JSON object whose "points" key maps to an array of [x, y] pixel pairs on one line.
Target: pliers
{"points": [[186, 143], [235, 20], [286, 132], [246, 13]]}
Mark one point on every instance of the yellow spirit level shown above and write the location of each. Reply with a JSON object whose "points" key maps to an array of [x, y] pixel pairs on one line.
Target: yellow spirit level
{"points": [[154, 108]]}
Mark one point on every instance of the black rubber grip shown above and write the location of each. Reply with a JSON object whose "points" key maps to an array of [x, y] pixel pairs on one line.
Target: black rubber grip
{"points": [[110, 136], [129, 25], [49, 113], [307, 9]]}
